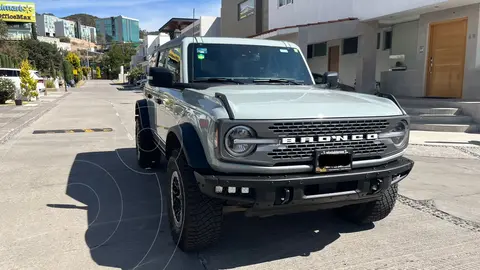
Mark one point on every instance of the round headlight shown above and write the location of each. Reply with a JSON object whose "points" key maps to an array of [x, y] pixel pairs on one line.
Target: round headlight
{"points": [[239, 149], [400, 134]]}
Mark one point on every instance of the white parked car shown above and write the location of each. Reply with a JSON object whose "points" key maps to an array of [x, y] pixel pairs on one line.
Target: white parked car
{"points": [[14, 75]]}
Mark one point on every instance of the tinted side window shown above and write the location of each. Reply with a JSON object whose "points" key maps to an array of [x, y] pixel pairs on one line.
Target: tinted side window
{"points": [[153, 60], [161, 59], [173, 63], [9, 73]]}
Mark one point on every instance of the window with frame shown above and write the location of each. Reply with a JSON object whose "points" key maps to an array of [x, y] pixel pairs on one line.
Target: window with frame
{"points": [[387, 40], [245, 9], [282, 3], [320, 49], [153, 59], [172, 62], [378, 41], [309, 51], [350, 45]]}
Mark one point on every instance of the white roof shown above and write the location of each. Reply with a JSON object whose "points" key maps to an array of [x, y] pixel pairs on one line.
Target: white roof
{"points": [[240, 41]]}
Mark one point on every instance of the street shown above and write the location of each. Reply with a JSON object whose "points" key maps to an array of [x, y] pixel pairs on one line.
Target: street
{"points": [[78, 200]]}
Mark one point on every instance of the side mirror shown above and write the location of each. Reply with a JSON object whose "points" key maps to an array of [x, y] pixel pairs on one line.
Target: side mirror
{"points": [[330, 79], [160, 77]]}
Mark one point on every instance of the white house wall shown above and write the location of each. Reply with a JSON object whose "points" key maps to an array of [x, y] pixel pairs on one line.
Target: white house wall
{"points": [[307, 11], [348, 63], [404, 41], [371, 9], [312, 11]]}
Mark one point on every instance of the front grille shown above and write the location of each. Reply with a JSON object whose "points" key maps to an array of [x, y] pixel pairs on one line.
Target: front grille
{"points": [[328, 128], [302, 151]]}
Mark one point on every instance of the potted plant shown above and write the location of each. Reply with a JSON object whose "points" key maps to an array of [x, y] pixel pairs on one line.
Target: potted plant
{"points": [[7, 90]]}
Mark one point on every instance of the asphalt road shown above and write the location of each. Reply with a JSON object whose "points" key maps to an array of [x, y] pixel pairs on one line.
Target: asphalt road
{"points": [[78, 201]]}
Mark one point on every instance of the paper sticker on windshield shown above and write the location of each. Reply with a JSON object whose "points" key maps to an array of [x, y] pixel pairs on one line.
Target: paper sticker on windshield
{"points": [[200, 56], [202, 50], [295, 50], [284, 50]]}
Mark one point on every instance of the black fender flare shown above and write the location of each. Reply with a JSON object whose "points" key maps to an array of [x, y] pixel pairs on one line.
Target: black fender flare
{"points": [[192, 146]]}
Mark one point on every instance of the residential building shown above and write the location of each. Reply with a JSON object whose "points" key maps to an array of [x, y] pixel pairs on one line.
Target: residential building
{"points": [[205, 26], [85, 32], [118, 29], [93, 34], [19, 17], [65, 28], [146, 49], [174, 26], [46, 25], [62, 45], [415, 48], [243, 18]]}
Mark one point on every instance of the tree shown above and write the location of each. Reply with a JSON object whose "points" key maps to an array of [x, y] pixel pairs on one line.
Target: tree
{"points": [[99, 74], [34, 31], [143, 34], [118, 55], [3, 30], [68, 70], [7, 90], [74, 59], [46, 57], [27, 83]]}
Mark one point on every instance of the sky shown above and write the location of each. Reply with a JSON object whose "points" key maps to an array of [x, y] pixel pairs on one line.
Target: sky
{"points": [[152, 14]]}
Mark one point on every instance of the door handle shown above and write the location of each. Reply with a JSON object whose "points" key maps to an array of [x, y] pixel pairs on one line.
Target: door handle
{"points": [[159, 101]]}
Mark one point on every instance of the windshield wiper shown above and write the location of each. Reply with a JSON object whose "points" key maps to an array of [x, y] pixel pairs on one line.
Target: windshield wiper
{"points": [[228, 80], [278, 80]]}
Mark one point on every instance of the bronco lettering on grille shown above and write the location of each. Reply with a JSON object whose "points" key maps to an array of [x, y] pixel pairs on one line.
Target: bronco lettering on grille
{"points": [[356, 137]]}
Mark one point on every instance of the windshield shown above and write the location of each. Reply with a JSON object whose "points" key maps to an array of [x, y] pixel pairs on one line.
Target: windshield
{"points": [[247, 63]]}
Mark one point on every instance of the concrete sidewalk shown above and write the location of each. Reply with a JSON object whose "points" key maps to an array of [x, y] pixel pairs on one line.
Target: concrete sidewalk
{"points": [[15, 118], [445, 138]]}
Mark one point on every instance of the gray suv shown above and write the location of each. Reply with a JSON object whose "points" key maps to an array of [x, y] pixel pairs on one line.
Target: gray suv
{"points": [[242, 124]]}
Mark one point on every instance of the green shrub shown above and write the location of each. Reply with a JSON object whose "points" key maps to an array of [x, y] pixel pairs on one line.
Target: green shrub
{"points": [[50, 84], [7, 90]]}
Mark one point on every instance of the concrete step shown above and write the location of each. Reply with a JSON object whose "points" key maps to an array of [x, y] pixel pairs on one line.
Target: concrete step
{"points": [[442, 119], [431, 111], [472, 128]]}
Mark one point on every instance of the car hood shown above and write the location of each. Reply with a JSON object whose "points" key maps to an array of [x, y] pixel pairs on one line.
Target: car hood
{"points": [[296, 102]]}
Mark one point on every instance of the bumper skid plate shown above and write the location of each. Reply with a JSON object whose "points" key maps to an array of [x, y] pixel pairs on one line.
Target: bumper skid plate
{"points": [[332, 190]]}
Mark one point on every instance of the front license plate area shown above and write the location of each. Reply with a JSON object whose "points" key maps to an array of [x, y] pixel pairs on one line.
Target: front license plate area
{"points": [[333, 160]]}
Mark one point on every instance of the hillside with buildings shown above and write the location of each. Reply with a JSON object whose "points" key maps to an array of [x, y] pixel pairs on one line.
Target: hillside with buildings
{"points": [[85, 19]]}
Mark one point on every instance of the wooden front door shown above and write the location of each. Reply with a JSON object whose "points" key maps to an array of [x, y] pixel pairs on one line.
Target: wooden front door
{"points": [[334, 58], [446, 58]]}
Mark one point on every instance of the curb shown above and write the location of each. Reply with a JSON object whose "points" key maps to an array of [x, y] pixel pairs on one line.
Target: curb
{"points": [[25, 124]]}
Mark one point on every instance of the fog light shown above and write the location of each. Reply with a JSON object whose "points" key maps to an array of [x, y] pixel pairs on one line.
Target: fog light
{"points": [[218, 189], [232, 189], [245, 190]]}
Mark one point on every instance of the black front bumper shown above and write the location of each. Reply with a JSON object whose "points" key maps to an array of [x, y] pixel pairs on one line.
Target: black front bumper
{"points": [[328, 190]]}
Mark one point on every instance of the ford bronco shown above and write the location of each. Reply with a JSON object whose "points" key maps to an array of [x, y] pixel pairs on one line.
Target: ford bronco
{"points": [[242, 123]]}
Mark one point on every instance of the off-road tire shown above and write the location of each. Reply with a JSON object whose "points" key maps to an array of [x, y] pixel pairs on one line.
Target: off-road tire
{"points": [[202, 215], [148, 154], [372, 211]]}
